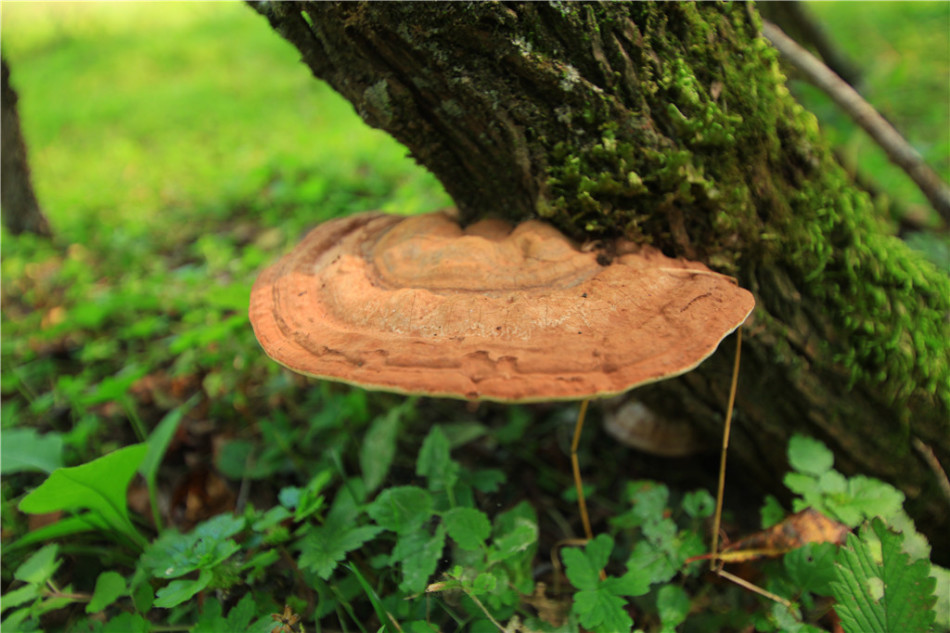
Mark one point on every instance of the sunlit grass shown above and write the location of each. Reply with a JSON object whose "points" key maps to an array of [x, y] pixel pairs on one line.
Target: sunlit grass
{"points": [[134, 111]]}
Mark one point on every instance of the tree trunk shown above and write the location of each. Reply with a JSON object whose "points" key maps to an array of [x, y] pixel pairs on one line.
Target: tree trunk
{"points": [[21, 211], [670, 123]]}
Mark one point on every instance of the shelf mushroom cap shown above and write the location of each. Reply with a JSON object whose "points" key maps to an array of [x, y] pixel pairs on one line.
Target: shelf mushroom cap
{"points": [[419, 305]]}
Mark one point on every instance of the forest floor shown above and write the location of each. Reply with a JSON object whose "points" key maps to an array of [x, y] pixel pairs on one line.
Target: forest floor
{"points": [[177, 151]]}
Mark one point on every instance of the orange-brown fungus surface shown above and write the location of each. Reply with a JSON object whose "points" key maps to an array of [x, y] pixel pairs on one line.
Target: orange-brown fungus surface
{"points": [[416, 304]]}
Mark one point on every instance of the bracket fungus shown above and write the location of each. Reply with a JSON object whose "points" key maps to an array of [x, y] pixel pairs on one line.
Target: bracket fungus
{"points": [[417, 304]]}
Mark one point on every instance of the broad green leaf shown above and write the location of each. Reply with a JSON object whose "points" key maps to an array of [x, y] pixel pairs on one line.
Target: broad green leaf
{"points": [[39, 567], [435, 461], [379, 448], [673, 604], [417, 553], [809, 456], [866, 498], [601, 611], [178, 591], [467, 526], [401, 509], [812, 567], [583, 566], [110, 586], [25, 449], [99, 485], [890, 596], [325, 546]]}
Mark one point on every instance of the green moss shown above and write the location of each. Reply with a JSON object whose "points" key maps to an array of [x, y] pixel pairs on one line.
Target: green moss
{"points": [[727, 148]]}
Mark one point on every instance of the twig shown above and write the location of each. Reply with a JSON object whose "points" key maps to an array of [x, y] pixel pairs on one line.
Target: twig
{"points": [[928, 454], [897, 149]]}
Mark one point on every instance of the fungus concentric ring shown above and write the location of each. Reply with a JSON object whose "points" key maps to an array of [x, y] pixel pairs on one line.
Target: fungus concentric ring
{"points": [[417, 304]]}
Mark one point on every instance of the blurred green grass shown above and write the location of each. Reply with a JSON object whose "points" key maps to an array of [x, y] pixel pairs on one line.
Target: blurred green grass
{"points": [[903, 52], [137, 111]]}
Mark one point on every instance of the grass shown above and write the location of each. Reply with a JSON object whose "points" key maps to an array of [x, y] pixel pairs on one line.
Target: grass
{"points": [[177, 150]]}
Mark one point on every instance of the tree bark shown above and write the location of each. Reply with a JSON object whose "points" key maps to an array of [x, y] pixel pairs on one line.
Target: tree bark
{"points": [[21, 211], [670, 123]]}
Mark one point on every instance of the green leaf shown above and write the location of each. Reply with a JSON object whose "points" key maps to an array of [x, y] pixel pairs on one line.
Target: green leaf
{"points": [[110, 586], [378, 607], [99, 486], [699, 504], [632, 583], [39, 567], [652, 562], [583, 566], [241, 614], [178, 591], [311, 498], [467, 526], [25, 449], [418, 553], [601, 611], [173, 555], [893, 595], [435, 461], [379, 448], [19, 596], [807, 455], [673, 604], [325, 546], [157, 444], [401, 509], [865, 498], [812, 567]]}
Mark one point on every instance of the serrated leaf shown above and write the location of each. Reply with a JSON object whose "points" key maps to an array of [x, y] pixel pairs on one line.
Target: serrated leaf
{"points": [[379, 448], [418, 553], [401, 509], [583, 566], [865, 497], [892, 596], [99, 486], [26, 450], [812, 567], [807, 455], [601, 611], [110, 586], [467, 526], [325, 546], [178, 591], [632, 583], [241, 614]]}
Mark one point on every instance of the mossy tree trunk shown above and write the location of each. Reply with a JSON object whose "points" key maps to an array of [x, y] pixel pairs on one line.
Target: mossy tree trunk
{"points": [[670, 123]]}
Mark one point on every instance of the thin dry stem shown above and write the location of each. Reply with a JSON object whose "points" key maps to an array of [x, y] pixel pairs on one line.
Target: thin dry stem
{"points": [[725, 447]]}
